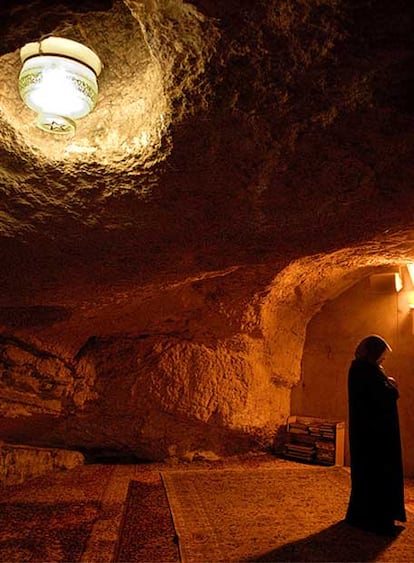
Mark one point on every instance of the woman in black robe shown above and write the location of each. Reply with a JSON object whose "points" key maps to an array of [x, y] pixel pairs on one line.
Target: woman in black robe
{"points": [[377, 494]]}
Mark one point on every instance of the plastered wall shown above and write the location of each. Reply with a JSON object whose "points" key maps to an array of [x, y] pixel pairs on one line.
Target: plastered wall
{"points": [[332, 336]]}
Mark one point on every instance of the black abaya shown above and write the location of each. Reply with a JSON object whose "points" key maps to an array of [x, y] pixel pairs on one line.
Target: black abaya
{"points": [[377, 495]]}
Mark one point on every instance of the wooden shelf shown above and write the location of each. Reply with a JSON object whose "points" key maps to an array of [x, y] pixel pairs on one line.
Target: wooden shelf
{"points": [[315, 440]]}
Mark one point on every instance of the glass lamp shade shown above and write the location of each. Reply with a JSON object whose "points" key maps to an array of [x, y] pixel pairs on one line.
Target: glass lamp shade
{"points": [[58, 80]]}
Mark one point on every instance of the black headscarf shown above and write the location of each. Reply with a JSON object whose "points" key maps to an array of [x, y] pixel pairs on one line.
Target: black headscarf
{"points": [[371, 348]]}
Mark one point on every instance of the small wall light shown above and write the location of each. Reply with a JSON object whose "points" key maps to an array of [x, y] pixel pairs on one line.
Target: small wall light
{"points": [[386, 282], [410, 298], [410, 268], [58, 80], [398, 282]]}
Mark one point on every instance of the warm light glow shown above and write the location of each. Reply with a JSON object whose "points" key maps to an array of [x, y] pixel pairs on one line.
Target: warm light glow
{"points": [[58, 81], [410, 268], [398, 282], [386, 282], [411, 300]]}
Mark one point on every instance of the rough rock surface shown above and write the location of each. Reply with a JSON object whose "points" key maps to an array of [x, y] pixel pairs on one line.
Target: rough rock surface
{"points": [[20, 463], [246, 162]]}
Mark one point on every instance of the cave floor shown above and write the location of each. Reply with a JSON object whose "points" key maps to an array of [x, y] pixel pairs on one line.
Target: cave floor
{"points": [[86, 514]]}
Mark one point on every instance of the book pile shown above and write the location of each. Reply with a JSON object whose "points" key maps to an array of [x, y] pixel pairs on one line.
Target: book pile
{"points": [[300, 451], [325, 453], [315, 430], [298, 428], [327, 431], [311, 440]]}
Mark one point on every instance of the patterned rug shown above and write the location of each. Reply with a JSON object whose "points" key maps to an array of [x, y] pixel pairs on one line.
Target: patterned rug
{"points": [[51, 518], [147, 533], [45, 532], [293, 514]]}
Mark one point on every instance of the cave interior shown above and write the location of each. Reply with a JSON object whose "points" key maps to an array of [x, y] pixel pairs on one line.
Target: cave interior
{"points": [[200, 259]]}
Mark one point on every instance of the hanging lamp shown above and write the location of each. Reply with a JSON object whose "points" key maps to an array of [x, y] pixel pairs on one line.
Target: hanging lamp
{"points": [[58, 81]]}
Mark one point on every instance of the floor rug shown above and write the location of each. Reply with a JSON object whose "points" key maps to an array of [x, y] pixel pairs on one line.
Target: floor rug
{"points": [[272, 515], [45, 532], [147, 533]]}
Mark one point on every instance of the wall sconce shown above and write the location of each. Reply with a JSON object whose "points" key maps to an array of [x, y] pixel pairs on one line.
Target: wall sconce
{"points": [[410, 302], [398, 282], [410, 299], [410, 268], [58, 80], [386, 282]]}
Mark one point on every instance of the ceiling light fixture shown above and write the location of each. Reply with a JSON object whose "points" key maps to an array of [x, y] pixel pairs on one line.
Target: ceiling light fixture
{"points": [[58, 80]]}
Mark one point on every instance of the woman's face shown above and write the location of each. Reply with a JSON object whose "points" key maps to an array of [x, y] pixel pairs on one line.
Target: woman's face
{"points": [[382, 357]]}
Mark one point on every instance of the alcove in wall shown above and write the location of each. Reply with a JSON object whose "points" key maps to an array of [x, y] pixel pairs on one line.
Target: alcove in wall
{"points": [[368, 307]]}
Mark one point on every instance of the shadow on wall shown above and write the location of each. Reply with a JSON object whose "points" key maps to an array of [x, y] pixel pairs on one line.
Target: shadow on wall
{"points": [[114, 439], [34, 316]]}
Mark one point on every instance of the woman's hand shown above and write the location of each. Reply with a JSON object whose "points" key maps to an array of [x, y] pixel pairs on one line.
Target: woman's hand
{"points": [[392, 380]]}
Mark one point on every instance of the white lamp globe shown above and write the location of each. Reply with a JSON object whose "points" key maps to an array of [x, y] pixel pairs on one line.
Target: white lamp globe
{"points": [[58, 80]]}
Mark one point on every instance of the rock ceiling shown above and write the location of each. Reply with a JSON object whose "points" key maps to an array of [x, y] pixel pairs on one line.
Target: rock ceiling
{"points": [[230, 139], [246, 161]]}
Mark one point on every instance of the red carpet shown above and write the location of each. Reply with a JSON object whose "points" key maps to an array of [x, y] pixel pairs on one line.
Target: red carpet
{"points": [[147, 532]]}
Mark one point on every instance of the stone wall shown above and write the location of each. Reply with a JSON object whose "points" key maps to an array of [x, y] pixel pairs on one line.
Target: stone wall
{"points": [[19, 463]]}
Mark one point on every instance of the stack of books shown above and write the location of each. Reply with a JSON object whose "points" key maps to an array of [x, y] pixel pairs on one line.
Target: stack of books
{"points": [[327, 431], [298, 428], [314, 430], [300, 451], [325, 453], [311, 440]]}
